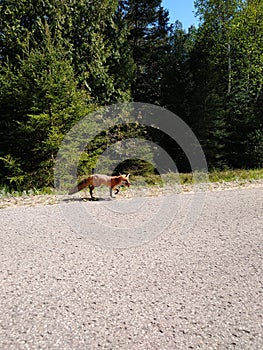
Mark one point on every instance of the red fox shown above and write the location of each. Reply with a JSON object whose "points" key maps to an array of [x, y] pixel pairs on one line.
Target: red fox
{"points": [[97, 180]]}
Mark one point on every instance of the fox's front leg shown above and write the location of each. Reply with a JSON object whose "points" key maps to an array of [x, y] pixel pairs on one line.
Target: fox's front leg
{"points": [[116, 191]]}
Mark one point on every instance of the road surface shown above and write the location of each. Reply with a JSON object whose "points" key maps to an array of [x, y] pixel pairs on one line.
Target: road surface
{"points": [[195, 289]]}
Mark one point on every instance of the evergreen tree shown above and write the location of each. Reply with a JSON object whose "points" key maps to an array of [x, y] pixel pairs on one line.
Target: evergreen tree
{"points": [[226, 96], [57, 60], [245, 144], [60, 58], [39, 102], [149, 29], [177, 77], [102, 62]]}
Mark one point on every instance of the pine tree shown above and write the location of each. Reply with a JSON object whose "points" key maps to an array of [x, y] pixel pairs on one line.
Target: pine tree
{"points": [[226, 65], [149, 29], [57, 60], [39, 102]]}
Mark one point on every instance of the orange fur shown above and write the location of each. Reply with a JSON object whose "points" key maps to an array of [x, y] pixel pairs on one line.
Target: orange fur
{"points": [[97, 180]]}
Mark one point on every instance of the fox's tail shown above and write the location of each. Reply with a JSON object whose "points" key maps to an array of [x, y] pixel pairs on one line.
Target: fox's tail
{"points": [[73, 190], [79, 186]]}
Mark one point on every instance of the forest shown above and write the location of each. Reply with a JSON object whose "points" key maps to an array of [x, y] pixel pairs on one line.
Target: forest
{"points": [[61, 60]]}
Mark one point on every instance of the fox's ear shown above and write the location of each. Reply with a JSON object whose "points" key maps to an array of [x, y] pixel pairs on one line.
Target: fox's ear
{"points": [[128, 175]]}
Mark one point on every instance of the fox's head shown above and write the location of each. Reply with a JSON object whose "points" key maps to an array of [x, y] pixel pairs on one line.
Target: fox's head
{"points": [[125, 180]]}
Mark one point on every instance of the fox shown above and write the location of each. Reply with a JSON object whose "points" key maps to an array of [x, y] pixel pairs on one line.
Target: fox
{"points": [[97, 180]]}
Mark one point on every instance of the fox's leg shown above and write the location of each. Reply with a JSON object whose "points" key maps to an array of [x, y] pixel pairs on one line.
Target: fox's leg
{"points": [[116, 191], [91, 188]]}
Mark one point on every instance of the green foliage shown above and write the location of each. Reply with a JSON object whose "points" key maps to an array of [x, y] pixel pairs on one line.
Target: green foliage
{"points": [[235, 175], [42, 105], [60, 60], [57, 60], [105, 153], [226, 96], [148, 40]]}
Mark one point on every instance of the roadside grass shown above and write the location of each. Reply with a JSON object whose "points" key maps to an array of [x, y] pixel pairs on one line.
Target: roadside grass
{"points": [[213, 176], [5, 192], [235, 175], [155, 181]]}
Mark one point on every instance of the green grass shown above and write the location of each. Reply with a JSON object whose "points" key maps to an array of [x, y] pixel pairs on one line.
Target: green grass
{"points": [[213, 176], [6, 192], [235, 175]]}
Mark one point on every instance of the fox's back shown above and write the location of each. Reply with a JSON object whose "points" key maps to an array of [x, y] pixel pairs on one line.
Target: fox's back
{"points": [[99, 179]]}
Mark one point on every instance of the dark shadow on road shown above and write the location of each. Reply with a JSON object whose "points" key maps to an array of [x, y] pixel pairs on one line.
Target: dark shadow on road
{"points": [[86, 199]]}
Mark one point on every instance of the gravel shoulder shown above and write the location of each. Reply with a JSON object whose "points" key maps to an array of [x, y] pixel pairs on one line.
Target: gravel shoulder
{"points": [[195, 289]]}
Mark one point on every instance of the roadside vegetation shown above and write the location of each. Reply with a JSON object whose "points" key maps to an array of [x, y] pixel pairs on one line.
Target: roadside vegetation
{"points": [[62, 60], [213, 176]]}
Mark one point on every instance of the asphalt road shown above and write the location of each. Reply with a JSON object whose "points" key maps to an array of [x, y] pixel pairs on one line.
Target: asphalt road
{"points": [[200, 288]]}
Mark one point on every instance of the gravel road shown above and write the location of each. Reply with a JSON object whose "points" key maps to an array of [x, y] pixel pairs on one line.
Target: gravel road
{"points": [[195, 289]]}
